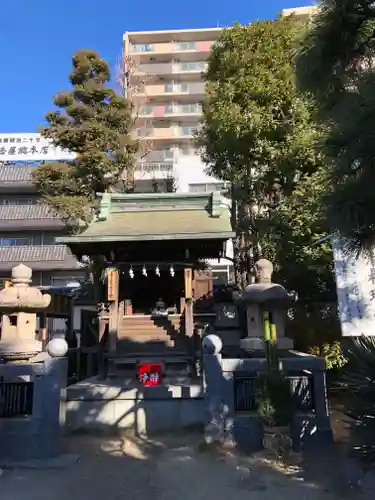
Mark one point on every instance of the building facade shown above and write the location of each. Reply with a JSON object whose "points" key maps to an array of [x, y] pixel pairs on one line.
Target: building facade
{"points": [[303, 13], [164, 80], [28, 228]]}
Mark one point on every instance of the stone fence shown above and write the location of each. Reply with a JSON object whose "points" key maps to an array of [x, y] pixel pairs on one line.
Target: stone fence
{"points": [[31, 414]]}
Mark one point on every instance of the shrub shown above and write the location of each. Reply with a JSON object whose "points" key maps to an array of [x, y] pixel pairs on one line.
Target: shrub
{"points": [[273, 399], [332, 353]]}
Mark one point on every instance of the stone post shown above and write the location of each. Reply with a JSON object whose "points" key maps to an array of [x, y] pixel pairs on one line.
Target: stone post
{"points": [[214, 389]]}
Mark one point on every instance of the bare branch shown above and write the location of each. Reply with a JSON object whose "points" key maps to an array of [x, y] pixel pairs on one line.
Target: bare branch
{"points": [[134, 87]]}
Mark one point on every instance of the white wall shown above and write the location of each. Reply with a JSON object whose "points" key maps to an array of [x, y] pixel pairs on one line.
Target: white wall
{"points": [[190, 170]]}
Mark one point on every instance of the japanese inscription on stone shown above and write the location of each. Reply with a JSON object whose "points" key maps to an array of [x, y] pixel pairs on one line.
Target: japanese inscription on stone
{"points": [[24, 147], [355, 282]]}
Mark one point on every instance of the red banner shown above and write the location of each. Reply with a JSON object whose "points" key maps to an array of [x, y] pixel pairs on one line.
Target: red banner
{"points": [[150, 374]]}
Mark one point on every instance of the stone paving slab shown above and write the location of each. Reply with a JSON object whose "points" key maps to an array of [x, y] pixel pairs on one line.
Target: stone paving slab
{"points": [[166, 469]]}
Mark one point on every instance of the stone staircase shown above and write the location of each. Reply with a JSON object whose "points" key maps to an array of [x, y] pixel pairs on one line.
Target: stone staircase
{"points": [[144, 339]]}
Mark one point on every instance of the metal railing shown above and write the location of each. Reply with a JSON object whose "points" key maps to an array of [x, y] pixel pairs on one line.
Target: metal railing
{"points": [[16, 399], [199, 46], [245, 386]]}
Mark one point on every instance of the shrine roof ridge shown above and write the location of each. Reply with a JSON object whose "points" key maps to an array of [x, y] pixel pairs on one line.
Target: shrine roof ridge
{"points": [[156, 216], [112, 203], [158, 196]]}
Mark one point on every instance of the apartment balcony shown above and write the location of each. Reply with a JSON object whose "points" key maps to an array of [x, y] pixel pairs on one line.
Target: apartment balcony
{"points": [[154, 170], [187, 68], [301, 13], [188, 110], [146, 49], [157, 164], [161, 156], [174, 89], [166, 133]]}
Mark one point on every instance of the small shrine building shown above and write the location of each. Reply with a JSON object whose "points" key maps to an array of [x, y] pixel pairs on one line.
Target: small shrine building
{"points": [[154, 246]]}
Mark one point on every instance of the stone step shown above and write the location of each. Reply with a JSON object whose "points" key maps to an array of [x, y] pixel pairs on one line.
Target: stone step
{"points": [[147, 359], [155, 355], [147, 338], [132, 375], [155, 320], [127, 366], [147, 328]]}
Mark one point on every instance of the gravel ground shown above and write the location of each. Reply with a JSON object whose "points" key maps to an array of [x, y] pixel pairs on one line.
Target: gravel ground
{"points": [[168, 469]]}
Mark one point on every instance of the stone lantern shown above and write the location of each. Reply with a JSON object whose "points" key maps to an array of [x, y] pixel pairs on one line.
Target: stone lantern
{"points": [[18, 306], [265, 296]]}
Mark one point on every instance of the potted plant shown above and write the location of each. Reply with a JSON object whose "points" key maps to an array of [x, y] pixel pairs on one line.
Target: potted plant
{"points": [[275, 407]]}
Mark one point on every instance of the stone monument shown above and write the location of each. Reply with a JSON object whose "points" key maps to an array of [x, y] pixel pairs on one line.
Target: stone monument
{"points": [[19, 304], [265, 296]]}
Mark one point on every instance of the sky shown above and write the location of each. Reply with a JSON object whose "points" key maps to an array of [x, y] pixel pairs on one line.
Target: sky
{"points": [[38, 38]]}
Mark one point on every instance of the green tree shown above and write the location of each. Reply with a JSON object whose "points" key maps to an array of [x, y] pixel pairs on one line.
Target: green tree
{"points": [[258, 131], [337, 65], [305, 264], [259, 134], [95, 123]]}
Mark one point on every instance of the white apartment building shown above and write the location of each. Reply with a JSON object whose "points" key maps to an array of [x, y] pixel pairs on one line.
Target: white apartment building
{"points": [[165, 80], [303, 13]]}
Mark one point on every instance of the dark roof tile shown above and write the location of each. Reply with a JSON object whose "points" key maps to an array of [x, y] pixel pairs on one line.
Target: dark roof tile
{"points": [[30, 212], [34, 253], [50, 257], [10, 174]]}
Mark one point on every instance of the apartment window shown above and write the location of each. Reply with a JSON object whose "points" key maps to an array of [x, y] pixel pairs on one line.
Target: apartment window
{"points": [[168, 154], [188, 130], [176, 87], [142, 47], [192, 66], [146, 110], [17, 201], [15, 242], [190, 108], [185, 46], [206, 188]]}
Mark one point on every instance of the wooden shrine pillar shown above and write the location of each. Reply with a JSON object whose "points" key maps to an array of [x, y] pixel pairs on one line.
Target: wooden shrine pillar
{"points": [[128, 307], [189, 315], [113, 278]]}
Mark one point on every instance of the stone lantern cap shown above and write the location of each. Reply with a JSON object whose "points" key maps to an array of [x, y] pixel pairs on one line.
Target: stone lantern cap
{"points": [[21, 296], [263, 291]]}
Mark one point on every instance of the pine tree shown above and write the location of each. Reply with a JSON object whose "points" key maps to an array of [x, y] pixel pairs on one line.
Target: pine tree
{"points": [[95, 123]]}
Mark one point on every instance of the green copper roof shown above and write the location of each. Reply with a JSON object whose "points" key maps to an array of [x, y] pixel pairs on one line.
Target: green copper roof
{"points": [[147, 217]]}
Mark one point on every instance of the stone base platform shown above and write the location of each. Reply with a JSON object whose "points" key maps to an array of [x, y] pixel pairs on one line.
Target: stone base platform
{"points": [[116, 405]]}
